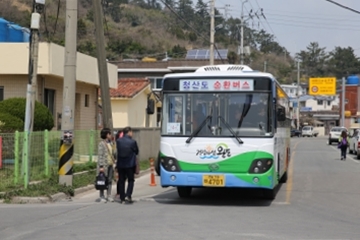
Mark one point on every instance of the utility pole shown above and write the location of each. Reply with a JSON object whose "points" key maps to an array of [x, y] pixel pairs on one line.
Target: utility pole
{"points": [[343, 102], [265, 63], [212, 31], [38, 7], [69, 93], [102, 65], [298, 97], [242, 34]]}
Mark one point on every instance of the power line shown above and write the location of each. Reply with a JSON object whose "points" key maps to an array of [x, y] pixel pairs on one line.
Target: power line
{"points": [[313, 23], [316, 18], [189, 25], [309, 26], [343, 6]]}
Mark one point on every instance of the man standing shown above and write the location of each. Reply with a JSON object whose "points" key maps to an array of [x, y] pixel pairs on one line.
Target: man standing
{"points": [[126, 164]]}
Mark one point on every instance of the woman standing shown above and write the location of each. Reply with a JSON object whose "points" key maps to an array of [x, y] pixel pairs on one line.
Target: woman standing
{"points": [[106, 161], [343, 144]]}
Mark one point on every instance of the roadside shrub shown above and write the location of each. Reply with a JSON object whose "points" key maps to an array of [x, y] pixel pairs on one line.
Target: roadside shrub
{"points": [[10, 123], [54, 147], [16, 107]]}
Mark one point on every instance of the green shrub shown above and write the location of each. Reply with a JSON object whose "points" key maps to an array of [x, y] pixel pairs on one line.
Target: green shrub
{"points": [[10, 123], [54, 147], [16, 107]]}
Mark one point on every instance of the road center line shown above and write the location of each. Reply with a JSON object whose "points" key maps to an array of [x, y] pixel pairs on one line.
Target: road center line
{"points": [[289, 182]]}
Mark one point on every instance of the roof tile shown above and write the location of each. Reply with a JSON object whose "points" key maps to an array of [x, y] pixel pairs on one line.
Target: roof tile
{"points": [[129, 87]]}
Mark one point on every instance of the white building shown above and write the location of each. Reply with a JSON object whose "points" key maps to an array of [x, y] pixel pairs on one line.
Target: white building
{"points": [[318, 103], [291, 89]]}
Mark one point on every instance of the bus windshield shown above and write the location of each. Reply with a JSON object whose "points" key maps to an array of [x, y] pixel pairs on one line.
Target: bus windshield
{"points": [[224, 113]]}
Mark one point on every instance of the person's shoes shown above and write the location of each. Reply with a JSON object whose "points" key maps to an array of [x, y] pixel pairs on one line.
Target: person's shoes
{"points": [[342, 158], [110, 199], [102, 200], [117, 198], [122, 201], [128, 200]]}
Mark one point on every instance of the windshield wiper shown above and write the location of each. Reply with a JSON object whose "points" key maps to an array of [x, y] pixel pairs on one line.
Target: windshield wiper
{"points": [[196, 132], [231, 130], [245, 110]]}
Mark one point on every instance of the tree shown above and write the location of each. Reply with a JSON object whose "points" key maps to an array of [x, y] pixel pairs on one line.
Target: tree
{"points": [[15, 107], [266, 43], [343, 62], [314, 60]]}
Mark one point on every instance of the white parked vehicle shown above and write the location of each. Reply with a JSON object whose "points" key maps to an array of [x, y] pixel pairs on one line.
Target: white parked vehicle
{"points": [[309, 131], [334, 134], [354, 136]]}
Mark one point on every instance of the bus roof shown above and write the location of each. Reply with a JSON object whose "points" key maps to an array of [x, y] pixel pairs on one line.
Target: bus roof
{"points": [[223, 71]]}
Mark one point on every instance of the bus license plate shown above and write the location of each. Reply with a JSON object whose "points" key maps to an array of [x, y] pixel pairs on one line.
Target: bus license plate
{"points": [[214, 180]]}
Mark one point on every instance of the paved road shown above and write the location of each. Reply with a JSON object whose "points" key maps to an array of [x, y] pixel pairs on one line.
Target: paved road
{"points": [[320, 201]]}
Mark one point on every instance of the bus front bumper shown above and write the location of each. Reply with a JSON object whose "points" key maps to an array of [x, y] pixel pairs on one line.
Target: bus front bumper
{"points": [[196, 179]]}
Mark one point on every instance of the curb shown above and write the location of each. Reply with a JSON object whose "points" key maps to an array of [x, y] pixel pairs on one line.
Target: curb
{"points": [[60, 196]]}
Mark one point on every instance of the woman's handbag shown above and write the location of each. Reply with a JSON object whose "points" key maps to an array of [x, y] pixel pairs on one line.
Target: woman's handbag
{"points": [[101, 182]]}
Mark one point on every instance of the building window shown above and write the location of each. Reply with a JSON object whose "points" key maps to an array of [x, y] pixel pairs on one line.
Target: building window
{"points": [[49, 100], [1, 93], [87, 97], [320, 102], [328, 103], [156, 82]]}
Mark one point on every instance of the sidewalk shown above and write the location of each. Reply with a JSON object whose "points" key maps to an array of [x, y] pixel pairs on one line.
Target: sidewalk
{"points": [[142, 189]]}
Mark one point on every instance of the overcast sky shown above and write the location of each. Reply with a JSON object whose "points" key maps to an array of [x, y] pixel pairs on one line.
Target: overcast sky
{"points": [[296, 23]]}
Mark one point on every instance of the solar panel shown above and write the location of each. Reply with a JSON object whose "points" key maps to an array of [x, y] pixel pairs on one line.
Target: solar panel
{"points": [[205, 54]]}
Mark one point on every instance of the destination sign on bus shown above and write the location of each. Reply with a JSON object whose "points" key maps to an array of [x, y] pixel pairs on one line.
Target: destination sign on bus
{"points": [[216, 85]]}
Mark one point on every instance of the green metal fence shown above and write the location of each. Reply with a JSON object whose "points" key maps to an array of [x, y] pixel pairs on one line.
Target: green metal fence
{"points": [[43, 151]]}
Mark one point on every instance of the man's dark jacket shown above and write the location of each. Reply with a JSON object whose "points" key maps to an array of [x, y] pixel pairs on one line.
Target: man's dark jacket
{"points": [[127, 149]]}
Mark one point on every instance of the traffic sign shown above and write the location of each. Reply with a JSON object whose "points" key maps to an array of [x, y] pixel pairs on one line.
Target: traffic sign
{"points": [[322, 86]]}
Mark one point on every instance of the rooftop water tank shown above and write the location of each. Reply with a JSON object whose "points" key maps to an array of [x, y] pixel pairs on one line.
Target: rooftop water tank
{"points": [[3, 30], [15, 33], [353, 79]]}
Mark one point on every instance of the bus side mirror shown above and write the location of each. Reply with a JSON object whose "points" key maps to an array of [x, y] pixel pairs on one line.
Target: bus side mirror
{"points": [[150, 107], [280, 114]]}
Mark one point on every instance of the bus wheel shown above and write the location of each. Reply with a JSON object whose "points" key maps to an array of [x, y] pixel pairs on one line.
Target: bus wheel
{"points": [[184, 192], [269, 194], [284, 178]]}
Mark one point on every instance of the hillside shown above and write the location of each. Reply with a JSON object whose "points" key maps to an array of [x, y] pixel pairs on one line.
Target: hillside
{"points": [[137, 29]]}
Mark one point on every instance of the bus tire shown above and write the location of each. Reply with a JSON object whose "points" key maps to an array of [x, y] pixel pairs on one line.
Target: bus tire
{"points": [[284, 178], [184, 192], [269, 194], [157, 165]]}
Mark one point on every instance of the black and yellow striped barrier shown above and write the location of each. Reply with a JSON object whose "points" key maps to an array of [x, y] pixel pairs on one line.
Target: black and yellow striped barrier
{"points": [[66, 154]]}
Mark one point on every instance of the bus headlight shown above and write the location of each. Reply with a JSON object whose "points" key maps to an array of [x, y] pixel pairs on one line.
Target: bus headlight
{"points": [[260, 165], [170, 164]]}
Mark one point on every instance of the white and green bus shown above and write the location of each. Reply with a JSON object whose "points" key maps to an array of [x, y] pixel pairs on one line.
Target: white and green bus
{"points": [[224, 126]]}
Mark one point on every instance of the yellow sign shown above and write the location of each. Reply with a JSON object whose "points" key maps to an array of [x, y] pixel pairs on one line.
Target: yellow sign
{"points": [[322, 86]]}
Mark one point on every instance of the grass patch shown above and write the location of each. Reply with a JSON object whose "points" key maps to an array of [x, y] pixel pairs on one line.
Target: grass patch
{"points": [[51, 185], [144, 164], [84, 166]]}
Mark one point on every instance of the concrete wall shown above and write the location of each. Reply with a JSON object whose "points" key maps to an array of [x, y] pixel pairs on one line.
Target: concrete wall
{"points": [[148, 140]]}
